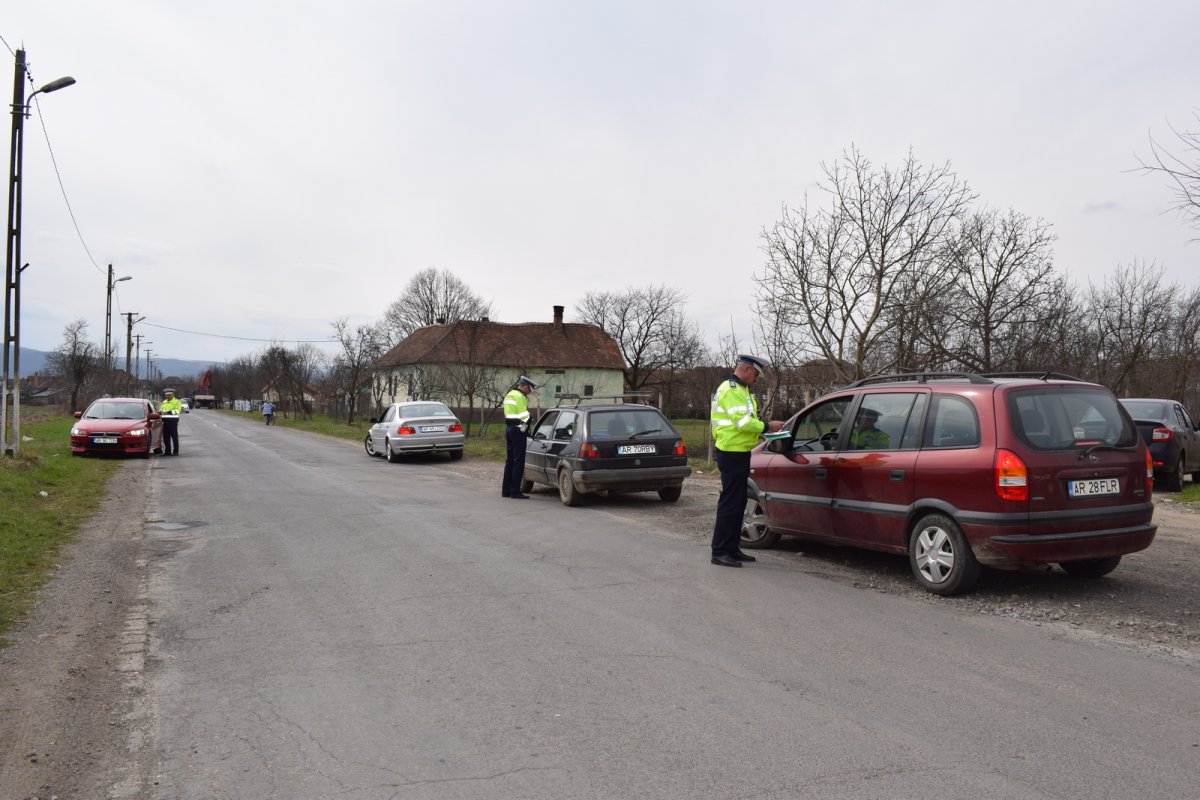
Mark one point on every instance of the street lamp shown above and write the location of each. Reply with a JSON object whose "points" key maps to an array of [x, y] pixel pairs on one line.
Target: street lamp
{"points": [[108, 354], [10, 441]]}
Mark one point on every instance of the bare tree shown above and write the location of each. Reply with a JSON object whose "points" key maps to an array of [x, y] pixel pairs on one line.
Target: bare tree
{"points": [[1182, 168], [470, 375], [843, 274], [1132, 311], [351, 366], [76, 361], [430, 296], [649, 327], [291, 372]]}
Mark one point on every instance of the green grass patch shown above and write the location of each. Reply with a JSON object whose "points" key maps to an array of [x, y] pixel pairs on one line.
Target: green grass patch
{"points": [[1190, 494], [34, 528]]}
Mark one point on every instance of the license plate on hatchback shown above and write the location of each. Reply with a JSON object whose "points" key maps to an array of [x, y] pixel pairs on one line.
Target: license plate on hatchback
{"points": [[634, 449], [104, 440], [1094, 487], [432, 429]]}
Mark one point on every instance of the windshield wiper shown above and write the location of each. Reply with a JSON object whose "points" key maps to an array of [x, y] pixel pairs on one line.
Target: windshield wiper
{"points": [[1089, 450], [643, 433]]}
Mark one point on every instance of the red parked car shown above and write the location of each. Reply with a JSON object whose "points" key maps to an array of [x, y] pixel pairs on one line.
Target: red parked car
{"points": [[127, 425], [957, 471]]}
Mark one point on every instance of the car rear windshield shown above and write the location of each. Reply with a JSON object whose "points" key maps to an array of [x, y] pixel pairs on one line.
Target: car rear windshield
{"points": [[1145, 409], [629, 422], [426, 410], [1061, 418], [116, 411]]}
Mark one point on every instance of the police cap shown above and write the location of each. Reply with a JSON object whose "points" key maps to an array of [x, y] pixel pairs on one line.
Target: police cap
{"points": [[168, 391], [523, 381], [754, 361]]}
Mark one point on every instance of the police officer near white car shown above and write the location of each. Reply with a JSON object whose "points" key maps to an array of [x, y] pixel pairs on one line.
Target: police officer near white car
{"points": [[736, 430]]}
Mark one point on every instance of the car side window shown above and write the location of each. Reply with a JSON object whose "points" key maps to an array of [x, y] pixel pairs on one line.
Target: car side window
{"points": [[879, 422], [952, 423], [564, 427], [1181, 418], [545, 426], [390, 415], [819, 428]]}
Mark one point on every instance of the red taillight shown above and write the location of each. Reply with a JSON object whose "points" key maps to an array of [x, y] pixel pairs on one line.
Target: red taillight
{"points": [[588, 450], [680, 448], [1149, 474], [1162, 435], [456, 428], [406, 430], [1012, 477]]}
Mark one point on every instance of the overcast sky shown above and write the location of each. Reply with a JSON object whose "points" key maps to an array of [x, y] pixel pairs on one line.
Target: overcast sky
{"points": [[260, 168]]}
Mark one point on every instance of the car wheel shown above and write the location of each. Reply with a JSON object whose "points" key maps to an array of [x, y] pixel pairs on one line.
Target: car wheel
{"points": [[392, 456], [526, 486], [369, 446], [941, 559], [455, 455], [1175, 479], [670, 494], [755, 533], [1091, 567], [145, 453], [567, 492]]}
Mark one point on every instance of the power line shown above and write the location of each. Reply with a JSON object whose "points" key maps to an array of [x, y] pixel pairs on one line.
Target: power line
{"points": [[239, 338]]}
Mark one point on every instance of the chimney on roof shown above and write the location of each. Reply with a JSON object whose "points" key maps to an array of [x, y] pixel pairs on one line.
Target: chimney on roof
{"points": [[483, 319], [558, 312], [440, 320]]}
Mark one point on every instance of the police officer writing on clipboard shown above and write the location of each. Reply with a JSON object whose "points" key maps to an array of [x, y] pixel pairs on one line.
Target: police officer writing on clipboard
{"points": [[736, 428], [516, 417]]}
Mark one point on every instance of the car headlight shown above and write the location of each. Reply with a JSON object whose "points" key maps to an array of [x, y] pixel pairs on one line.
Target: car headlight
{"points": [[138, 432], [77, 432]]}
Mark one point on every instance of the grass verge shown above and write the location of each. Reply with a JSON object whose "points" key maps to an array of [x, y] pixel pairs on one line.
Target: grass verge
{"points": [[47, 495]]}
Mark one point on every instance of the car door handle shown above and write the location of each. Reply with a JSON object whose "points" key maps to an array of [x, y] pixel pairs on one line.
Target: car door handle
{"points": [[822, 473], [897, 475]]}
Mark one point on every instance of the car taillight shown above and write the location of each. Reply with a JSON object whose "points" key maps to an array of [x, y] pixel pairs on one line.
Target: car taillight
{"points": [[680, 448], [1149, 474], [455, 428], [1012, 477], [406, 430], [588, 450], [1161, 435]]}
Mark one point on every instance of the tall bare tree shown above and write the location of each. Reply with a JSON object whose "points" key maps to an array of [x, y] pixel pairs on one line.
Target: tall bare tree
{"points": [[431, 295], [843, 273], [1181, 167], [351, 366], [77, 361], [649, 327], [1132, 311]]}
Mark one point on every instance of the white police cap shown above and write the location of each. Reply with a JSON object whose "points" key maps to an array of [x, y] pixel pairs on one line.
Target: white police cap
{"points": [[754, 361]]}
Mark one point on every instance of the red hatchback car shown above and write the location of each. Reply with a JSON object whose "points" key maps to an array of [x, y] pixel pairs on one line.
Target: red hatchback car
{"points": [[960, 470], [117, 425]]}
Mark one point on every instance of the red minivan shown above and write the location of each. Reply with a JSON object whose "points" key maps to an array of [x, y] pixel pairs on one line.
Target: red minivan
{"points": [[959, 470]]}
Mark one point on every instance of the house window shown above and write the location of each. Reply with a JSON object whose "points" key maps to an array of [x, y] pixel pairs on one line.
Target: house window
{"points": [[587, 390], [558, 388]]}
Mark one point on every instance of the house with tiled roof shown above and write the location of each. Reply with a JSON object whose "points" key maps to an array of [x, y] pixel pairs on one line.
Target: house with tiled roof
{"points": [[470, 364]]}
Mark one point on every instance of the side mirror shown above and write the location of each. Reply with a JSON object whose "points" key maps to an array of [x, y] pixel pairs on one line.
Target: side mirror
{"points": [[78, 415], [374, 420], [155, 415]]}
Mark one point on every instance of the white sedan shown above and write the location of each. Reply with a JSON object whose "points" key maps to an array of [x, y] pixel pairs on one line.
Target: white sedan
{"points": [[418, 426]]}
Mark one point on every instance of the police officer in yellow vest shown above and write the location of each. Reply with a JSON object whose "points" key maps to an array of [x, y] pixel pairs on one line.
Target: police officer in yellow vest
{"points": [[516, 417], [170, 408], [736, 429]]}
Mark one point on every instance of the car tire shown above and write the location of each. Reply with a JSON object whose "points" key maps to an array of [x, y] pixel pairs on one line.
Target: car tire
{"points": [[567, 492], [1174, 480], [670, 494], [369, 446], [455, 455], [940, 557], [526, 486], [755, 533], [1091, 567], [392, 456], [146, 452]]}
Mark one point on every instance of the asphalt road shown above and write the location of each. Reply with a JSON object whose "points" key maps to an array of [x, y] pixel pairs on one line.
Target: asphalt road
{"points": [[322, 624]]}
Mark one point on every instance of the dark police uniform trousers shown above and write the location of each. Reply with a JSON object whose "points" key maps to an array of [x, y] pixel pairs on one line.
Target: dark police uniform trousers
{"points": [[514, 459], [727, 530]]}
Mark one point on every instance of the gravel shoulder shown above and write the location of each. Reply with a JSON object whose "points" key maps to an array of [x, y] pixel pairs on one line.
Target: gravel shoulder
{"points": [[71, 693]]}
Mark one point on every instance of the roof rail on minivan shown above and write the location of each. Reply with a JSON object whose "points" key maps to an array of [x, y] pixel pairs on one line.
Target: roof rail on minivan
{"points": [[638, 398], [919, 377], [1036, 375]]}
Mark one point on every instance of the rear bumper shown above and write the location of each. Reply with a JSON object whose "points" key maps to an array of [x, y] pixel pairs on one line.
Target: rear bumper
{"points": [[1071, 546], [640, 479]]}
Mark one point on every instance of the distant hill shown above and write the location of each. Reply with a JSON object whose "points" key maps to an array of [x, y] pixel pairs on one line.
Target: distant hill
{"points": [[33, 361]]}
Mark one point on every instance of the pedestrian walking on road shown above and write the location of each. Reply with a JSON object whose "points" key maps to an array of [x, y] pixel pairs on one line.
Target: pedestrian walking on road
{"points": [[268, 410], [736, 428], [170, 408], [516, 417]]}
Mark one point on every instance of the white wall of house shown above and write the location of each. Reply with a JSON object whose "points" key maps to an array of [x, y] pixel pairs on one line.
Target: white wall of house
{"points": [[400, 384]]}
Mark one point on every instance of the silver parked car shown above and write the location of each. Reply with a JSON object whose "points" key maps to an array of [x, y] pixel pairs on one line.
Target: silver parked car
{"points": [[418, 426]]}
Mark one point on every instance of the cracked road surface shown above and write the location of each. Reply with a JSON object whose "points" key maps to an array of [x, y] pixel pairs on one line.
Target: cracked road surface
{"points": [[302, 621]]}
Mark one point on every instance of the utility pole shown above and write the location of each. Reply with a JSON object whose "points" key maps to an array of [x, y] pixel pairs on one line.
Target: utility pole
{"points": [[129, 320]]}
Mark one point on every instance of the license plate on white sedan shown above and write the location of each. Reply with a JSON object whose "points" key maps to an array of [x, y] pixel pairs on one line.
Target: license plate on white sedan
{"points": [[634, 449], [1094, 487], [103, 440], [432, 429]]}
